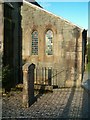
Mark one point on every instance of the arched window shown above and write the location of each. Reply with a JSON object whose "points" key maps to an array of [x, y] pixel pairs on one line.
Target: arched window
{"points": [[49, 42], [35, 43]]}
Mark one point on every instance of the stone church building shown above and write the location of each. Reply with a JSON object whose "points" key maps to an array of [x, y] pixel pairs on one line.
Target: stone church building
{"points": [[52, 42], [55, 45]]}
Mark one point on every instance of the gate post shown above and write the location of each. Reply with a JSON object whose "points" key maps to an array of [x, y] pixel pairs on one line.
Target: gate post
{"points": [[28, 84]]}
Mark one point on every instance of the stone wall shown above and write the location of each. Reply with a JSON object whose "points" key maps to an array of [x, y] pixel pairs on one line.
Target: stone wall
{"points": [[67, 43]]}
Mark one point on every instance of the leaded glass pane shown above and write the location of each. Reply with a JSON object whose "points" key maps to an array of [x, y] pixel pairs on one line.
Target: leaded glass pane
{"points": [[49, 43], [35, 43]]}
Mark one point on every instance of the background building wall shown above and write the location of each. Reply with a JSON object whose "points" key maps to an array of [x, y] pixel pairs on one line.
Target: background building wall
{"points": [[1, 44], [1, 26], [12, 45]]}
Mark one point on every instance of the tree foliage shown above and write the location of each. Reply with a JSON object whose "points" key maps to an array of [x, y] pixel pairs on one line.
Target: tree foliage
{"points": [[7, 73]]}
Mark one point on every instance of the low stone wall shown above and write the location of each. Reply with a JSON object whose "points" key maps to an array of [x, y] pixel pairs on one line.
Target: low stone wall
{"points": [[43, 87]]}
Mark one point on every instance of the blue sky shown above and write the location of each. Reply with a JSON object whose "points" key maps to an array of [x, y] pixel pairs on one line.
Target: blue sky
{"points": [[76, 12]]}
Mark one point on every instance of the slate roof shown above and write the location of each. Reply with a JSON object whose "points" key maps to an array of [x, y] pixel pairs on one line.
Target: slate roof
{"points": [[34, 2]]}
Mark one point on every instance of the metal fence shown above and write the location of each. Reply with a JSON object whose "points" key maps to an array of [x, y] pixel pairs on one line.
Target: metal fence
{"points": [[49, 76]]}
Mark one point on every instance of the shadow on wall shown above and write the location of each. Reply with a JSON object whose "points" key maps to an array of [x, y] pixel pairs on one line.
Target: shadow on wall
{"points": [[73, 62], [76, 35]]}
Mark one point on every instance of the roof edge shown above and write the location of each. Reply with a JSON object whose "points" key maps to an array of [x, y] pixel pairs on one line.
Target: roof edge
{"points": [[54, 15]]}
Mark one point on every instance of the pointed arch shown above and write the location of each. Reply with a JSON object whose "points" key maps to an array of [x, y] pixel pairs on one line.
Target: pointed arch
{"points": [[49, 42], [35, 43]]}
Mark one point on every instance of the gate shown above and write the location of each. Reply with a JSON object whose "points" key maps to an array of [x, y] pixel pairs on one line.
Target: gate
{"points": [[50, 76]]}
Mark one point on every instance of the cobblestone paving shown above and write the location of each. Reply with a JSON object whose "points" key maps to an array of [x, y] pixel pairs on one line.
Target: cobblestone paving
{"points": [[62, 103]]}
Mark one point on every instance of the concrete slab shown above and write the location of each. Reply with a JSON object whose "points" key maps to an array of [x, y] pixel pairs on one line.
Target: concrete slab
{"points": [[86, 81]]}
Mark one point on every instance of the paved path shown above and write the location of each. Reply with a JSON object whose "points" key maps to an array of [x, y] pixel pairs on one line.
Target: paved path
{"points": [[62, 103]]}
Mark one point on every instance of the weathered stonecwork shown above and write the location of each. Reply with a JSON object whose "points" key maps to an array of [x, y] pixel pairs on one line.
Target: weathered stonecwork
{"points": [[52, 42]]}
